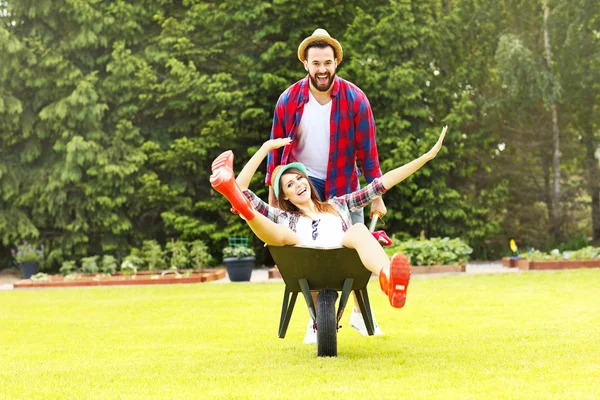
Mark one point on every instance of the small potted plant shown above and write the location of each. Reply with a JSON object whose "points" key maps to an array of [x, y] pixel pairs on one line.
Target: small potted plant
{"points": [[29, 258], [239, 262]]}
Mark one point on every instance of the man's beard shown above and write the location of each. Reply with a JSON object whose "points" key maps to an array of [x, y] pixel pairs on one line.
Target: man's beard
{"points": [[324, 87]]}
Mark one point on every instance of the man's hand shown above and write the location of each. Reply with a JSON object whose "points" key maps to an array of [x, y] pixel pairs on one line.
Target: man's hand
{"points": [[378, 207]]}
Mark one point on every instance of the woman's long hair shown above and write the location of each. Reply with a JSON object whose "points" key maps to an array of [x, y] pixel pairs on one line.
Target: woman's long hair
{"points": [[288, 206]]}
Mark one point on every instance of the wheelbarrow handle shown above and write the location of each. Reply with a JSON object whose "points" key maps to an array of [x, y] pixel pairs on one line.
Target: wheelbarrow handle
{"points": [[374, 219]]}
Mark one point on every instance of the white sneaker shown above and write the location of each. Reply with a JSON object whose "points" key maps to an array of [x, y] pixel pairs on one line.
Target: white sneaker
{"points": [[358, 323], [311, 333]]}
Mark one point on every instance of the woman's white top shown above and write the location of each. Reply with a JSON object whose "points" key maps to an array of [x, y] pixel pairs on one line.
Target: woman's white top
{"points": [[327, 228]]}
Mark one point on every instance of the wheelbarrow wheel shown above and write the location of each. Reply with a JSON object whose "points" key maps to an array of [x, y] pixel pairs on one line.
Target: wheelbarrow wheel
{"points": [[326, 323]]}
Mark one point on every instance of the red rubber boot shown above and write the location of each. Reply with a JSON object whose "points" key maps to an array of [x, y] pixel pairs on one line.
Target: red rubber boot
{"points": [[396, 285], [223, 181]]}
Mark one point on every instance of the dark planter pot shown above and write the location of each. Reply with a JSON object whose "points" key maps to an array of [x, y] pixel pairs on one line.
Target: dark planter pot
{"points": [[239, 269], [29, 268]]}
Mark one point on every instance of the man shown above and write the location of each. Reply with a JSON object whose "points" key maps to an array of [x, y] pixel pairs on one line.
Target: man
{"points": [[331, 124]]}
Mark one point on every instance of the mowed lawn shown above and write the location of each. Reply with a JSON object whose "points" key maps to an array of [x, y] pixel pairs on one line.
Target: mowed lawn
{"points": [[527, 335]]}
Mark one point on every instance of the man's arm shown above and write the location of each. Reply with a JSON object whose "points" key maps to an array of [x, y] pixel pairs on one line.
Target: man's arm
{"points": [[277, 132], [366, 147]]}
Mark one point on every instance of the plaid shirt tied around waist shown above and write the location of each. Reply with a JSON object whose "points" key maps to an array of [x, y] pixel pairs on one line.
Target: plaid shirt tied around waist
{"points": [[352, 134]]}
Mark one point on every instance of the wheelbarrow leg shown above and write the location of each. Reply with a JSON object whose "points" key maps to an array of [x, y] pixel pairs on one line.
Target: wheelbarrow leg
{"points": [[286, 311], [362, 298], [346, 290], [308, 298]]}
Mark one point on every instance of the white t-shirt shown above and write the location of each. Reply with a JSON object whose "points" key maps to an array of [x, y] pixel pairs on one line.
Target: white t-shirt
{"points": [[328, 231], [312, 139]]}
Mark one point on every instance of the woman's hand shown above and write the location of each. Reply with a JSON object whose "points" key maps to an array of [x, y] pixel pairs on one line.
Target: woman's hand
{"points": [[438, 145], [276, 143]]}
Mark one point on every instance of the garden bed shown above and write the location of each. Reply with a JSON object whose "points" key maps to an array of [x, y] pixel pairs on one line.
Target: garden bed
{"points": [[525, 264], [432, 269], [145, 278], [509, 262], [436, 269]]}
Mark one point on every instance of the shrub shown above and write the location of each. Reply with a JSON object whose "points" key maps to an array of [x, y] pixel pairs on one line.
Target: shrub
{"points": [[179, 254], [109, 265], [131, 264], [575, 242], [153, 255], [434, 251], [89, 265], [586, 253], [132, 260], [536, 255], [68, 267], [199, 254], [40, 277]]}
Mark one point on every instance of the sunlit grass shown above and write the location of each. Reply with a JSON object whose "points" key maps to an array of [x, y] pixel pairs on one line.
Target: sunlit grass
{"points": [[530, 335]]}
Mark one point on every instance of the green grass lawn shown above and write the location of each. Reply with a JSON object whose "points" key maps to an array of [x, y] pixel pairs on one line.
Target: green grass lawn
{"points": [[529, 335]]}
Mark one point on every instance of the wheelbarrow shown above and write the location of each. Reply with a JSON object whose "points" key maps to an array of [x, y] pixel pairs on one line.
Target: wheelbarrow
{"points": [[326, 271]]}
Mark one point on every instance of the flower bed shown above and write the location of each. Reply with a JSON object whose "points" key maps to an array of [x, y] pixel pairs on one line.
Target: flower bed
{"points": [[525, 264], [436, 269], [120, 280], [510, 262], [431, 269], [587, 257], [434, 255]]}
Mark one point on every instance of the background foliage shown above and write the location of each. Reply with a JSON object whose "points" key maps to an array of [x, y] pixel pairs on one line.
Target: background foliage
{"points": [[112, 111]]}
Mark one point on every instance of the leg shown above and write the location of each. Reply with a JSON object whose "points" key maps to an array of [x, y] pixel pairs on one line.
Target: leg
{"points": [[369, 250], [223, 181], [394, 276], [270, 232]]}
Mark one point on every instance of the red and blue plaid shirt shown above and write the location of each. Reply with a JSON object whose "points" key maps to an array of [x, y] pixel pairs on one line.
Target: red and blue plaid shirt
{"points": [[352, 135]]}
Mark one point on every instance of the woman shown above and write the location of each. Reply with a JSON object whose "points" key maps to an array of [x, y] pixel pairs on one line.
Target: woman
{"points": [[303, 219]]}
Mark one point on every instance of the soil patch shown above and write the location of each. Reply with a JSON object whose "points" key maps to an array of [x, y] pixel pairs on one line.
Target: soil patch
{"points": [[121, 280]]}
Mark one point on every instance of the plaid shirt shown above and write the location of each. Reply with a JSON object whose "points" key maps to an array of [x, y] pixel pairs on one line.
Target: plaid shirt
{"points": [[352, 135], [344, 205]]}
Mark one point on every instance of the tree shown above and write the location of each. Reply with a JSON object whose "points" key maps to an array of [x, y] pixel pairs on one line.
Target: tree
{"points": [[414, 61], [578, 59]]}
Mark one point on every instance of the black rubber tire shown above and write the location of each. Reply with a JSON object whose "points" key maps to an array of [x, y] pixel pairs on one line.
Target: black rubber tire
{"points": [[326, 323]]}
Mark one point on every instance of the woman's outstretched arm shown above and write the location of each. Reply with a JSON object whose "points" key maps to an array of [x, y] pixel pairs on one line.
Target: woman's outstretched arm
{"points": [[399, 174], [245, 176]]}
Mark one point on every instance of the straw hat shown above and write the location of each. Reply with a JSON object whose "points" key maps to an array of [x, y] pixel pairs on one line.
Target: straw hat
{"points": [[321, 35]]}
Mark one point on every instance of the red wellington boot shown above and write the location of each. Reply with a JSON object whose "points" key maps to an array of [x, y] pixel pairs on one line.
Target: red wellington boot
{"points": [[396, 285], [382, 238], [223, 181]]}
